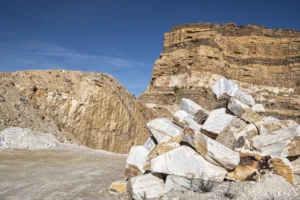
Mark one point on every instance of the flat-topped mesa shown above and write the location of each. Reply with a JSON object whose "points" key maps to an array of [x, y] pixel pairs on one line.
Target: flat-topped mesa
{"points": [[265, 63]]}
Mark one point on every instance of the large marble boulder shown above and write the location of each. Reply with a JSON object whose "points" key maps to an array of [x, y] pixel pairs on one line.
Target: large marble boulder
{"points": [[137, 157], [227, 136], [244, 137], [270, 124], [283, 143], [163, 129], [180, 183], [148, 186], [217, 121], [225, 87], [184, 161], [215, 152], [188, 120]]}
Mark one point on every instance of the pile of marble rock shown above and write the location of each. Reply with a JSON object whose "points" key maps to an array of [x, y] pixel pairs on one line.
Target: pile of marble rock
{"points": [[229, 143]]}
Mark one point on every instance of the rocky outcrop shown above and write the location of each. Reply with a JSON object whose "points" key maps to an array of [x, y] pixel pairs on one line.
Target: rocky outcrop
{"points": [[265, 63], [90, 108]]}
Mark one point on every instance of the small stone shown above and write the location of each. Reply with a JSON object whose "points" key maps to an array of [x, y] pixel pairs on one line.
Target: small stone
{"points": [[118, 187], [150, 143], [237, 107], [283, 167]]}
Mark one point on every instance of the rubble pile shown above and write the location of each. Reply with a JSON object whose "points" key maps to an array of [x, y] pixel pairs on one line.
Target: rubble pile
{"points": [[198, 147]]}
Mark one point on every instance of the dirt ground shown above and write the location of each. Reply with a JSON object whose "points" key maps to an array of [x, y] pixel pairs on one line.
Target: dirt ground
{"points": [[61, 173]]}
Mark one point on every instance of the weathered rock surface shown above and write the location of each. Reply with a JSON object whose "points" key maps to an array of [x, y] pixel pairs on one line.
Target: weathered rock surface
{"points": [[259, 108], [150, 143], [146, 186], [262, 62], [163, 129], [184, 161], [217, 121], [283, 143], [90, 108], [215, 152], [283, 167], [237, 107], [162, 148]]}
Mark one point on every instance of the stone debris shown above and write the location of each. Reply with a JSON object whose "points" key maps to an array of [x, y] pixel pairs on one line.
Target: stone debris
{"points": [[163, 129], [241, 146], [147, 186], [22, 138]]}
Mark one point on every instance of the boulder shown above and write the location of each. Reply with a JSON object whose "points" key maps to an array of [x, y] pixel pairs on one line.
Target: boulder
{"points": [[250, 116], [283, 143], [270, 124], [215, 152], [227, 136], [259, 108], [146, 186], [180, 183], [163, 129], [181, 115], [217, 121], [118, 187], [150, 143], [184, 161], [237, 107], [137, 156], [245, 136], [190, 106], [225, 87]]}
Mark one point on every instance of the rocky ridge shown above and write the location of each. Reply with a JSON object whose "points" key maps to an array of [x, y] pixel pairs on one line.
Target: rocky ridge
{"points": [[263, 62], [90, 109], [232, 143]]}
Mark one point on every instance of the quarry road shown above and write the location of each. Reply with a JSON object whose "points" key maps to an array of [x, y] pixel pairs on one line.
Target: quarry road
{"points": [[60, 173]]}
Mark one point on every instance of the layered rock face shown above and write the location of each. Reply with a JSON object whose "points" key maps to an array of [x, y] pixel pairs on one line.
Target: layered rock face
{"points": [[90, 108], [263, 62]]}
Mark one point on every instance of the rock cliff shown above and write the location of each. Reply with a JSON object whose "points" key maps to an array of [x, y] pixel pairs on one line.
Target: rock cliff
{"points": [[264, 62], [92, 109]]}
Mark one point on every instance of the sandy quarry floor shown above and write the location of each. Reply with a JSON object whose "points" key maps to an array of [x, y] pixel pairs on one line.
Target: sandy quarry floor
{"points": [[63, 173]]}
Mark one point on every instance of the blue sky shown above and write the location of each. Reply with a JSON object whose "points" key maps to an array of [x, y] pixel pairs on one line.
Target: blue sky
{"points": [[119, 37]]}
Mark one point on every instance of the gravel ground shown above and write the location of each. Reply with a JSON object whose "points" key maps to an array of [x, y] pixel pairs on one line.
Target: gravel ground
{"points": [[56, 174]]}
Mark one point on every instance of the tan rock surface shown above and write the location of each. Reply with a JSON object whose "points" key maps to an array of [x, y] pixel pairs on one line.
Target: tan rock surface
{"points": [[92, 108], [263, 62]]}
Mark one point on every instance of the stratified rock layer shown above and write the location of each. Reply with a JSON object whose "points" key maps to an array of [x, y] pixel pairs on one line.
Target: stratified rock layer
{"points": [[92, 107], [265, 63]]}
